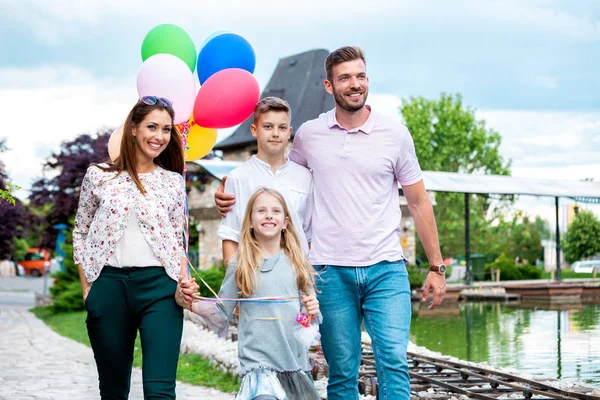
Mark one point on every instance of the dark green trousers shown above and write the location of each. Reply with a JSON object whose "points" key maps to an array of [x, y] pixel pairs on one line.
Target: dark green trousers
{"points": [[121, 302]]}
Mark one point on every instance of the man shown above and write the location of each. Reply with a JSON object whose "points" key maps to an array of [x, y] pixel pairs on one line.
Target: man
{"points": [[357, 158]]}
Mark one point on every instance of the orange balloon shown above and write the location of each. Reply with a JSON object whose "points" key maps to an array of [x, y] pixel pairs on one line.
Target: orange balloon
{"points": [[200, 141]]}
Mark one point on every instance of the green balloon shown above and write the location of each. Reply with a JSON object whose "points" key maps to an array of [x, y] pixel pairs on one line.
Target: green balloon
{"points": [[170, 39]]}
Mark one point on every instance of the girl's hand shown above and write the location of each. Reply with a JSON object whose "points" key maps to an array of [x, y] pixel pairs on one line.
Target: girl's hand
{"points": [[311, 304], [185, 289]]}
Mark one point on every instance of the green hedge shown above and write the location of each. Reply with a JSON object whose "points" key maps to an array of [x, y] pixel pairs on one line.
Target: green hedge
{"points": [[416, 275], [509, 271], [213, 277], [66, 292]]}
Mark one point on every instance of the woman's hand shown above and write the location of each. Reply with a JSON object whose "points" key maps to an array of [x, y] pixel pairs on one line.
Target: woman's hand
{"points": [[311, 304], [186, 287], [86, 291]]}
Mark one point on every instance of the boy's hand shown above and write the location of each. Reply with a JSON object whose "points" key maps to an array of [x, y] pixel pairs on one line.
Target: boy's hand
{"points": [[311, 304], [224, 201]]}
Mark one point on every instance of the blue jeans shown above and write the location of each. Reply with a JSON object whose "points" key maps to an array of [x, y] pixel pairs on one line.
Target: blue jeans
{"points": [[380, 294]]}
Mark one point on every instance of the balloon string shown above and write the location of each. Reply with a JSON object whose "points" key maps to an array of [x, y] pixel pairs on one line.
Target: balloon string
{"points": [[183, 128]]}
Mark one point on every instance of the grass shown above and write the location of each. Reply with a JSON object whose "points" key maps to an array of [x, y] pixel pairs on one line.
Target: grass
{"points": [[567, 274], [192, 368]]}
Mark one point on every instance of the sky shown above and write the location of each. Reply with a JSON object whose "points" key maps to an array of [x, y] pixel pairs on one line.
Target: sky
{"points": [[529, 67]]}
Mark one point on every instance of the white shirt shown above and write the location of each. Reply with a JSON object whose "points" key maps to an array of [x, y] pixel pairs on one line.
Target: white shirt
{"points": [[131, 249], [291, 180]]}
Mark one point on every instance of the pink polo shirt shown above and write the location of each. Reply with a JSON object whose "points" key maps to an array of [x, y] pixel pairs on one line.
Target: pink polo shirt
{"points": [[356, 215]]}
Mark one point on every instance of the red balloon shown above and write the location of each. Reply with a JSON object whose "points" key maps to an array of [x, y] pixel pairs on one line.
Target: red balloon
{"points": [[226, 99]]}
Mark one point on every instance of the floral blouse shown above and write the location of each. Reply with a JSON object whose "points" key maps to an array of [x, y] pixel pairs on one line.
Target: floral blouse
{"points": [[105, 203]]}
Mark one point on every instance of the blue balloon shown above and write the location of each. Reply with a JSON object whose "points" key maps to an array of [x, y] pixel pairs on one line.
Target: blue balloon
{"points": [[227, 50], [214, 34]]}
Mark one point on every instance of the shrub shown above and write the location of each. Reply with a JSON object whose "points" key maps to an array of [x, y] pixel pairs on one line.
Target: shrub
{"points": [[66, 292], [69, 297], [213, 277], [530, 272], [509, 271], [416, 275]]}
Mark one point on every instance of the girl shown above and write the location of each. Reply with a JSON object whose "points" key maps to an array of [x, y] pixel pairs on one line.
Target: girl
{"points": [[128, 244], [270, 262]]}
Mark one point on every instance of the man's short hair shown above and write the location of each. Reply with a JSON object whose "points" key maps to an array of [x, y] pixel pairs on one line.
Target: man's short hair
{"points": [[342, 55], [271, 104]]}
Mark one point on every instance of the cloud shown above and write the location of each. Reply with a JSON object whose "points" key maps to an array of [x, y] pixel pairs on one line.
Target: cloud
{"points": [[44, 77], [500, 55], [43, 117], [535, 139], [558, 18]]}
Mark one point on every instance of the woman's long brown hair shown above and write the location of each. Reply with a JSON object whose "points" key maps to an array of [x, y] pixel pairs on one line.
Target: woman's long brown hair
{"points": [[171, 158], [249, 255]]}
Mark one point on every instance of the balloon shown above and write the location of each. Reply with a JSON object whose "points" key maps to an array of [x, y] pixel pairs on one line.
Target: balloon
{"points": [[226, 99], [114, 143], [170, 39], [228, 50], [214, 34], [200, 142], [164, 75]]}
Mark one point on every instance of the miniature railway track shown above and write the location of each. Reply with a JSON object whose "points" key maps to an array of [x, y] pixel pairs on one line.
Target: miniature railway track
{"points": [[481, 383], [437, 378]]}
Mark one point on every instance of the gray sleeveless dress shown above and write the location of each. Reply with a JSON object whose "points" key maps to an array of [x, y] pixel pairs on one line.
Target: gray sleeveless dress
{"points": [[273, 361]]}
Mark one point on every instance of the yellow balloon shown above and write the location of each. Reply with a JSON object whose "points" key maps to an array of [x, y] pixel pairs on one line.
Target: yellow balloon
{"points": [[200, 142]]}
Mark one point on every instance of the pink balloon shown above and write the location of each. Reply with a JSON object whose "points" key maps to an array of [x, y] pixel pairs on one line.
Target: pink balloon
{"points": [[164, 75], [114, 143], [226, 99]]}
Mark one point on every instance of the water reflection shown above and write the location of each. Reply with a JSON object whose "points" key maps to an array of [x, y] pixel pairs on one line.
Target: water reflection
{"points": [[551, 340]]}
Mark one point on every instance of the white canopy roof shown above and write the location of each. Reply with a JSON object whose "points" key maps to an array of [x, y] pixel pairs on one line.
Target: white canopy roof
{"points": [[498, 184], [469, 183]]}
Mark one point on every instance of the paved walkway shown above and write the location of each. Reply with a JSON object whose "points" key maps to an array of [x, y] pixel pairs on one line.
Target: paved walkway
{"points": [[38, 364]]}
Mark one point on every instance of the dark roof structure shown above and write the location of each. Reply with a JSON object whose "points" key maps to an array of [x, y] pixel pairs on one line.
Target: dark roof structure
{"points": [[298, 79]]}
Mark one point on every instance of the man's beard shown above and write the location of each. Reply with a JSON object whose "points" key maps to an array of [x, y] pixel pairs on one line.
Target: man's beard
{"points": [[340, 100]]}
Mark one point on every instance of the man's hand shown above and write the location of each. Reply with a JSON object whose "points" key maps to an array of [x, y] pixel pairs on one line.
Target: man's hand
{"points": [[224, 201], [437, 283], [311, 304], [186, 287]]}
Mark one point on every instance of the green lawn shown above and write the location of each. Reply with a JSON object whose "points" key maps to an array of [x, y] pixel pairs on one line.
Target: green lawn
{"points": [[568, 274], [192, 368]]}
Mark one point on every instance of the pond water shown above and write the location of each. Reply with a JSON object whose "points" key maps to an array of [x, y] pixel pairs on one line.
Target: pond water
{"points": [[561, 342]]}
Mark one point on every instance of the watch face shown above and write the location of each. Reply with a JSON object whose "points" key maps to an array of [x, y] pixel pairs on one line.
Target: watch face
{"points": [[442, 268]]}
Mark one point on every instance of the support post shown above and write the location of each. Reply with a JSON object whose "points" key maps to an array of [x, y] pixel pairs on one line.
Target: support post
{"points": [[557, 241], [467, 242]]}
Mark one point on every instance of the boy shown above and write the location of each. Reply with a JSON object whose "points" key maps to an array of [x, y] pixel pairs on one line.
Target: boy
{"points": [[269, 168]]}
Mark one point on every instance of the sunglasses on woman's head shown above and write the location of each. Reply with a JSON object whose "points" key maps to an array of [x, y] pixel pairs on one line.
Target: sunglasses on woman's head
{"points": [[152, 100]]}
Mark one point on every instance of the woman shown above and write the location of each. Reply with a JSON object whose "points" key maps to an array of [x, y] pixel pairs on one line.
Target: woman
{"points": [[128, 244]]}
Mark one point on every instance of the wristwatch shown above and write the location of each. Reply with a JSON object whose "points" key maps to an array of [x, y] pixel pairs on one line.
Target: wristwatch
{"points": [[440, 269]]}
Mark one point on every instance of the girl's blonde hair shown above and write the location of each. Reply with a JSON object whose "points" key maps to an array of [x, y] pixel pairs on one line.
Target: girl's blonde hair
{"points": [[249, 255]]}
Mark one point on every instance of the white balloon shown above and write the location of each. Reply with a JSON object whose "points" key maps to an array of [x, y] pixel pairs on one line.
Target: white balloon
{"points": [[164, 75]]}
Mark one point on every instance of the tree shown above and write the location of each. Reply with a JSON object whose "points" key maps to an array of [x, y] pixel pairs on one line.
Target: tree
{"points": [[543, 228], [449, 138], [514, 238], [12, 213], [582, 239], [5, 186], [66, 170]]}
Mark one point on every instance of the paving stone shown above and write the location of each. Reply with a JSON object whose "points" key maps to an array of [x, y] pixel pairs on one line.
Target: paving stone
{"points": [[38, 364]]}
